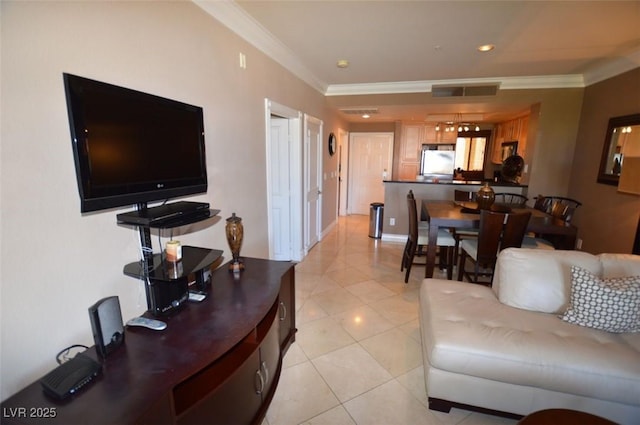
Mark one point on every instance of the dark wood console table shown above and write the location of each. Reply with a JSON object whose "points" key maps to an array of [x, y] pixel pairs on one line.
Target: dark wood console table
{"points": [[217, 362]]}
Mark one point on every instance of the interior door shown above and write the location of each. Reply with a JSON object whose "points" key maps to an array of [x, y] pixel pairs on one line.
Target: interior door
{"points": [[370, 159], [284, 145], [280, 189], [313, 181]]}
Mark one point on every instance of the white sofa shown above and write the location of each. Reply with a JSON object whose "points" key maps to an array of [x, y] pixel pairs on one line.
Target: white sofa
{"points": [[507, 349]]}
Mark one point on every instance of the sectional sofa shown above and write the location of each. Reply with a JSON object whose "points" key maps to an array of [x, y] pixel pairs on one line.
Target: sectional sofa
{"points": [[558, 329]]}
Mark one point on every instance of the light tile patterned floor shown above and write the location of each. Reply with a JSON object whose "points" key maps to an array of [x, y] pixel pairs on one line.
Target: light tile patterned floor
{"points": [[357, 356]]}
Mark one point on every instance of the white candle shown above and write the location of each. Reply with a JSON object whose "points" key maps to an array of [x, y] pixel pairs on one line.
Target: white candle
{"points": [[174, 251]]}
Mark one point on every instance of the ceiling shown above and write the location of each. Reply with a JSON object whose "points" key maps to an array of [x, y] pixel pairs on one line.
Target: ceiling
{"points": [[399, 50]]}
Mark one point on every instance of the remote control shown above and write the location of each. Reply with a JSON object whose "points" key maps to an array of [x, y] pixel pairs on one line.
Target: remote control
{"points": [[196, 296], [156, 325]]}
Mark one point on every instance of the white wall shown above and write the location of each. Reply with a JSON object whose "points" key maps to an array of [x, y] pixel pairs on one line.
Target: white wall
{"points": [[56, 262]]}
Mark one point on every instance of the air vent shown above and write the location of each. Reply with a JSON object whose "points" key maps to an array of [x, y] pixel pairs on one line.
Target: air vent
{"points": [[464, 91], [359, 111]]}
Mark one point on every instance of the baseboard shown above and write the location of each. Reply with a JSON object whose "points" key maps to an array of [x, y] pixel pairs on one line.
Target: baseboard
{"points": [[394, 237]]}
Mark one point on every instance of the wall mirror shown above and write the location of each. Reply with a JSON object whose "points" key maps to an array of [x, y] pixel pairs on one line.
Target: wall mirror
{"points": [[622, 140]]}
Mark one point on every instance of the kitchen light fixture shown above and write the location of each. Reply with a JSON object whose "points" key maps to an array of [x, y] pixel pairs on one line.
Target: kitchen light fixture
{"points": [[450, 126], [342, 63]]}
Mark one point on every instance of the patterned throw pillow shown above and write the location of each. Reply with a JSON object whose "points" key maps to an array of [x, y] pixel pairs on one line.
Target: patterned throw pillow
{"points": [[611, 305]]}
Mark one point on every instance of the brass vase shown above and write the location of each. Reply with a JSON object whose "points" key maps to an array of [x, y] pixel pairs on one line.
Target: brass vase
{"points": [[485, 197], [235, 233]]}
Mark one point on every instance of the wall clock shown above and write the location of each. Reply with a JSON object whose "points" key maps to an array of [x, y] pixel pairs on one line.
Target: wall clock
{"points": [[332, 144]]}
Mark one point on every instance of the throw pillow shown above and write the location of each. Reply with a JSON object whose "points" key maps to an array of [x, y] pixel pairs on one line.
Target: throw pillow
{"points": [[611, 305]]}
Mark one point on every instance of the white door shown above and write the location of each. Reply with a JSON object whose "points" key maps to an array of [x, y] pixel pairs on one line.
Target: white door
{"points": [[370, 161], [313, 181], [343, 170], [284, 182], [280, 190]]}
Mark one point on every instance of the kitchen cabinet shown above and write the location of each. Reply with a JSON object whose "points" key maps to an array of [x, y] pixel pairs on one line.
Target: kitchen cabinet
{"points": [[413, 136], [510, 131]]}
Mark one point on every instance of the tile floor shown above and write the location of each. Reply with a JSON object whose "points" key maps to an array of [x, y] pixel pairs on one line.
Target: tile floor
{"points": [[357, 356]]}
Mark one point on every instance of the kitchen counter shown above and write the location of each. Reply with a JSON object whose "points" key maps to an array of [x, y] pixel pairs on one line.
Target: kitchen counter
{"points": [[458, 183]]}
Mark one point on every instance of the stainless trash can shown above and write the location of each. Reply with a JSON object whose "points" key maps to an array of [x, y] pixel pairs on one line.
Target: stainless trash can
{"points": [[376, 213]]}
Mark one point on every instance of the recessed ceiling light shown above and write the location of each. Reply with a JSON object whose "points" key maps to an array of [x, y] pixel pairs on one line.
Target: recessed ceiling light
{"points": [[486, 47], [342, 63]]}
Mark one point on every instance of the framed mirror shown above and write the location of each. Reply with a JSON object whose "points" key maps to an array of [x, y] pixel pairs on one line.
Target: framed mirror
{"points": [[622, 140], [509, 149]]}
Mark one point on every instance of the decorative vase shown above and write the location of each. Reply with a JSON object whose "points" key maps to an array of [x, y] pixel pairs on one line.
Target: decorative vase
{"points": [[485, 197], [235, 232]]}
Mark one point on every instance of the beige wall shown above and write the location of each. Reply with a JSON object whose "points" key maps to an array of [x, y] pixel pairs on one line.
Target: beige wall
{"points": [[607, 220], [55, 262]]}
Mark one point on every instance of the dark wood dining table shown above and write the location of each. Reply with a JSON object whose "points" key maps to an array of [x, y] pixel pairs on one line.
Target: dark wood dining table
{"points": [[459, 215]]}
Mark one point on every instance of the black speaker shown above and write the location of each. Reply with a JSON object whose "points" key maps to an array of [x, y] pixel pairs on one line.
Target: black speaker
{"points": [[106, 324]]}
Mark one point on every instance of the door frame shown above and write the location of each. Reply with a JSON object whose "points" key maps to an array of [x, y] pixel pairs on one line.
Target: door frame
{"points": [[295, 170]]}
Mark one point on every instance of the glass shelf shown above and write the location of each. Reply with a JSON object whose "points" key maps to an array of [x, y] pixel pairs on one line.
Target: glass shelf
{"points": [[193, 260]]}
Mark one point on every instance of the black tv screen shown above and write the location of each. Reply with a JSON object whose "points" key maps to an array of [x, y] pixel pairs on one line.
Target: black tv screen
{"points": [[132, 147]]}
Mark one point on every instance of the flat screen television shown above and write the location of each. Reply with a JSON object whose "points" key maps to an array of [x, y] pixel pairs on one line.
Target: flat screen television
{"points": [[132, 147]]}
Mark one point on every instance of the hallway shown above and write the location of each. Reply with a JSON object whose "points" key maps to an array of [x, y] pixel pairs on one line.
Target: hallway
{"points": [[357, 357]]}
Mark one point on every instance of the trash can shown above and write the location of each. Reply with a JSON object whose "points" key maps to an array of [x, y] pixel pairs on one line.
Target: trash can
{"points": [[376, 213]]}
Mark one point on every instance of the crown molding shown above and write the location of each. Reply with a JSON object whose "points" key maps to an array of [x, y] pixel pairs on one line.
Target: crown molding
{"points": [[613, 68], [505, 83], [229, 14]]}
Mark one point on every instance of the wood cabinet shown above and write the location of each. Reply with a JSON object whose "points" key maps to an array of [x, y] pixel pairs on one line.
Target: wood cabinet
{"points": [[217, 362], [413, 136], [510, 131]]}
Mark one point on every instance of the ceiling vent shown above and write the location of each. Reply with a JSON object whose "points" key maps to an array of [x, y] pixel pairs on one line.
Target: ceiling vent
{"points": [[359, 111], [464, 91]]}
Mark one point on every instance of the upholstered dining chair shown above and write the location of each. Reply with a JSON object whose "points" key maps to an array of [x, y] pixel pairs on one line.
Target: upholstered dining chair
{"points": [[498, 231], [418, 238], [459, 234]]}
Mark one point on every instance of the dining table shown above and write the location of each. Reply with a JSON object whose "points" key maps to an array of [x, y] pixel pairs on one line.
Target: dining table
{"points": [[466, 215]]}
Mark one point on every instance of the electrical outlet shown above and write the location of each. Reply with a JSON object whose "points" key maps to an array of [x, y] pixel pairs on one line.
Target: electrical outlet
{"points": [[579, 243], [392, 221]]}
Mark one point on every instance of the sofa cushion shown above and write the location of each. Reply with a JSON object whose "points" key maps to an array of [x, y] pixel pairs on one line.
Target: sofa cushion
{"points": [[539, 280], [619, 265], [611, 304]]}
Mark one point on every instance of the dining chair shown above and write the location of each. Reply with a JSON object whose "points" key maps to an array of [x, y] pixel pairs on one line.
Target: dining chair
{"points": [[418, 238], [511, 199], [563, 207], [557, 206], [459, 234], [464, 196], [542, 203], [498, 231]]}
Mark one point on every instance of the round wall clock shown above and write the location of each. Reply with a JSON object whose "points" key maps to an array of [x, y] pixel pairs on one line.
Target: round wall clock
{"points": [[332, 144]]}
